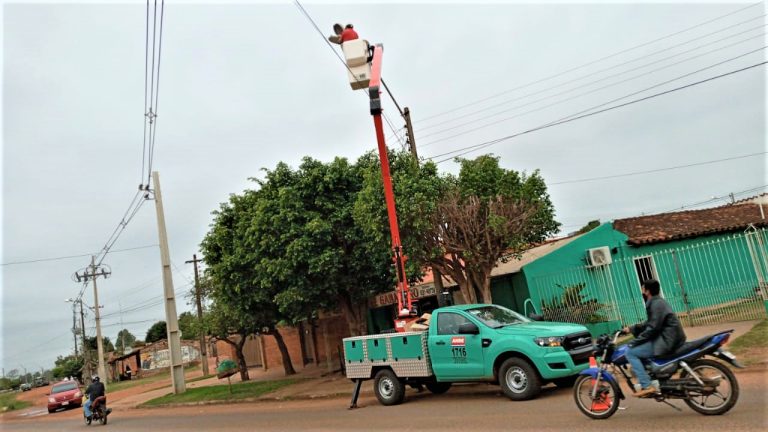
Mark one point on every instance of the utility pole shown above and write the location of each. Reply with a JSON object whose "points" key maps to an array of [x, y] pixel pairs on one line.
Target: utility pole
{"points": [[172, 320], [74, 326], [99, 341], [411, 137], [86, 356], [198, 295]]}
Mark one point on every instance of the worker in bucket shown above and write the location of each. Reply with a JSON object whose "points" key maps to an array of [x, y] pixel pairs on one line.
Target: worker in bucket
{"points": [[340, 35]]}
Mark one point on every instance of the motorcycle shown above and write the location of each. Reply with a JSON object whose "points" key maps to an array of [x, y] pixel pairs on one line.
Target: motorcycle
{"points": [[99, 411], [707, 386]]}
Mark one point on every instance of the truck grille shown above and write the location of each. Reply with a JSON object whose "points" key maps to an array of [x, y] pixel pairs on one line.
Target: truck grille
{"points": [[579, 346]]}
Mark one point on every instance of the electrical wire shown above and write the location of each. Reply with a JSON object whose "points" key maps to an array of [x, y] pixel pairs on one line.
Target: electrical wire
{"points": [[547, 78], [470, 149], [761, 36], [73, 256], [655, 170], [596, 90]]}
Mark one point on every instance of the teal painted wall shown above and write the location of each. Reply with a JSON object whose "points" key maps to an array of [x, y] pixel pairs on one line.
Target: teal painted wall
{"points": [[715, 270]]}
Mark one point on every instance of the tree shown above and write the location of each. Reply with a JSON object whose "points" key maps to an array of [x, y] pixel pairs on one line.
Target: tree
{"points": [[243, 303], [69, 366], [589, 227], [188, 326], [92, 344], [157, 332], [461, 226], [124, 337], [489, 214]]}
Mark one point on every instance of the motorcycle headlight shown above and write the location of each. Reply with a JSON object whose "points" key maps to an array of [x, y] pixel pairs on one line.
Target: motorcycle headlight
{"points": [[51, 400], [549, 341]]}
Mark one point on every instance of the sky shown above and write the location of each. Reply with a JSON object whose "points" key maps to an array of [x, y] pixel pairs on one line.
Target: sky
{"points": [[246, 85]]}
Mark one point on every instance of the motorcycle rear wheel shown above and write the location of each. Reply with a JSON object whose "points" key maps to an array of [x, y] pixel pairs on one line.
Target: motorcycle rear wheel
{"points": [[710, 370], [601, 407]]}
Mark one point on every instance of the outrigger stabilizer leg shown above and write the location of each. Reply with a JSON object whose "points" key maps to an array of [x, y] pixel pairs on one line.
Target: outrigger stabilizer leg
{"points": [[355, 393]]}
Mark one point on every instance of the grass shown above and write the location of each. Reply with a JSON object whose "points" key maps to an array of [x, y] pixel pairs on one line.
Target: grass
{"points": [[752, 347], [240, 391], [8, 402], [122, 385]]}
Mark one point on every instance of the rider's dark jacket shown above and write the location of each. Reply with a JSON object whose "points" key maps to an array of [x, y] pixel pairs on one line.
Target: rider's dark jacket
{"points": [[662, 329], [95, 390]]}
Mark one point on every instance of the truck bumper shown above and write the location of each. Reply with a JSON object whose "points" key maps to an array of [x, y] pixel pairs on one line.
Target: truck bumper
{"points": [[559, 364]]}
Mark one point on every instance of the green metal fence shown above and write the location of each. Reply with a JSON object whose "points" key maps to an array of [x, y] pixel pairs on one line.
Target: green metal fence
{"points": [[711, 281]]}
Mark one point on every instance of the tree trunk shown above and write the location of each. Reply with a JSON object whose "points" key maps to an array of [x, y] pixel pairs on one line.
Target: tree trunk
{"points": [[313, 337], [241, 358], [356, 316], [286, 357]]}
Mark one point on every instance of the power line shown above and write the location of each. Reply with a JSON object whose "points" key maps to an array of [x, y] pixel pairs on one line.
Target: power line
{"points": [[656, 170], [73, 256], [596, 90], [597, 81], [590, 62], [476, 147]]}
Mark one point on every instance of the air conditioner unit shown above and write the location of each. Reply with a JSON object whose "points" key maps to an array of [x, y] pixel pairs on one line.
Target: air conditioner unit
{"points": [[599, 256]]}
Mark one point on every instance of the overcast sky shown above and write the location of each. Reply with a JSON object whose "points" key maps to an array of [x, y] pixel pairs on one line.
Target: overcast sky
{"points": [[247, 85]]}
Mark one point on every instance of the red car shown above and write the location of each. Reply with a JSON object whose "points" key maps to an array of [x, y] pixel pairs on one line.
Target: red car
{"points": [[64, 394]]}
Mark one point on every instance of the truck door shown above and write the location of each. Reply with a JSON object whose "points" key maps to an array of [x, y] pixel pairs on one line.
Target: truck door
{"points": [[454, 355]]}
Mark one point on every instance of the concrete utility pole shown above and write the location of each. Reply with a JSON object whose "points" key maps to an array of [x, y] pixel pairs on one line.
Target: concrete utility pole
{"points": [[198, 300], [86, 356], [99, 341], [171, 319], [74, 325]]}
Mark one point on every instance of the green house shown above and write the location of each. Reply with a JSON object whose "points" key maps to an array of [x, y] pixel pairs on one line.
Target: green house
{"points": [[712, 265]]}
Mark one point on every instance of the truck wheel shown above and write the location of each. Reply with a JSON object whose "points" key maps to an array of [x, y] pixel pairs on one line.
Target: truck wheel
{"points": [[518, 379], [438, 387], [388, 388]]}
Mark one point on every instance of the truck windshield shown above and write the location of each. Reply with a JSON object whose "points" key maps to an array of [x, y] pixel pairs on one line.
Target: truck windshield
{"points": [[496, 316]]}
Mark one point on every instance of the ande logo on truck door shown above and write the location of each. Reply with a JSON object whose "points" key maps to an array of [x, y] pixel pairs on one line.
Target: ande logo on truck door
{"points": [[459, 349]]}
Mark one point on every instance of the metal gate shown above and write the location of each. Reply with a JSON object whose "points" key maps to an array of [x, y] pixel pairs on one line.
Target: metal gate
{"points": [[712, 281]]}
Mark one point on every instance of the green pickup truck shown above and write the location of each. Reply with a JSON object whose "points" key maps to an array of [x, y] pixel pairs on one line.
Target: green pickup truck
{"points": [[467, 343]]}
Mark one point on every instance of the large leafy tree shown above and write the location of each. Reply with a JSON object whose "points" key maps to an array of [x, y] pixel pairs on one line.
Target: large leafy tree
{"points": [[460, 225], [69, 366], [188, 326], [313, 249], [92, 344], [487, 214], [243, 298], [124, 337], [158, 331]]}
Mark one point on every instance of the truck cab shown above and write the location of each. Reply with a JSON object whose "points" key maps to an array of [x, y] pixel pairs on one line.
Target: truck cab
{"points": [[471, 343]]}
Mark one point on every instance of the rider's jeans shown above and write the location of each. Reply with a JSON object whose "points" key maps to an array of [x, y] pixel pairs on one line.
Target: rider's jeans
{"points": [[634, 355], [87, 408]]}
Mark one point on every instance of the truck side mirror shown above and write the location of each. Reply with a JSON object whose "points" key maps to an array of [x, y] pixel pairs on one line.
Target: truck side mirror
{"points": [[468, 328]]}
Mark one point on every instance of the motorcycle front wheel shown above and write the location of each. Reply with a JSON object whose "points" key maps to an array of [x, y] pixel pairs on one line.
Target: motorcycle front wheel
{"points": [[600, 406], [720, 391]]}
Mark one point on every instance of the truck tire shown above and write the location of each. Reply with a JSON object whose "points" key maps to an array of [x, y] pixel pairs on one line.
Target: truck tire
{"points": [[388, 388], [519, 380], [438, 387]]}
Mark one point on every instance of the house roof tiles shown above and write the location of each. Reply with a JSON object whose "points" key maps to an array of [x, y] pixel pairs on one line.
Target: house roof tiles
{"points": [[678, 225]]}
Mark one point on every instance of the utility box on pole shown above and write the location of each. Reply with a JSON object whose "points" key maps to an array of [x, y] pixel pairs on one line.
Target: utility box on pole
{"points": [[171, 318]]}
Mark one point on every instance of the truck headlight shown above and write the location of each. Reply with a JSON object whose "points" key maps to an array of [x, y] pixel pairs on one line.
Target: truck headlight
{"points": [[549, 341]]}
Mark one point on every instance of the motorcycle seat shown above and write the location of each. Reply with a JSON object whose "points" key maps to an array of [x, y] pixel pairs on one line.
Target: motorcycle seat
{"points": [[685, 348]]}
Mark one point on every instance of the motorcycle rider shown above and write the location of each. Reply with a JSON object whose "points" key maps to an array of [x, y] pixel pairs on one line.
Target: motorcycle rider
{"points": [[661, 334], [94, 390]]}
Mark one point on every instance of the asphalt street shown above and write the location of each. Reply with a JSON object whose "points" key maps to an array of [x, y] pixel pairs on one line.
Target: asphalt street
{"points": [[484, 409]]}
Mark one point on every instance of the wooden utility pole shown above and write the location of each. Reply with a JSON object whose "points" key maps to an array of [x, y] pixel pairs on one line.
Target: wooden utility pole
{"points": [[171, 319], [411, 137], [198, 300]]}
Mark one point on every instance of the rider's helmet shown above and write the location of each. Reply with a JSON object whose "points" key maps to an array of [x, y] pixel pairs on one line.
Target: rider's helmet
{"points": [[95, 378]]}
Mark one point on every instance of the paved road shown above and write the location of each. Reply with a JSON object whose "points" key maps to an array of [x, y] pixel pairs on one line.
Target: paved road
{"points": [[483, 409]]}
